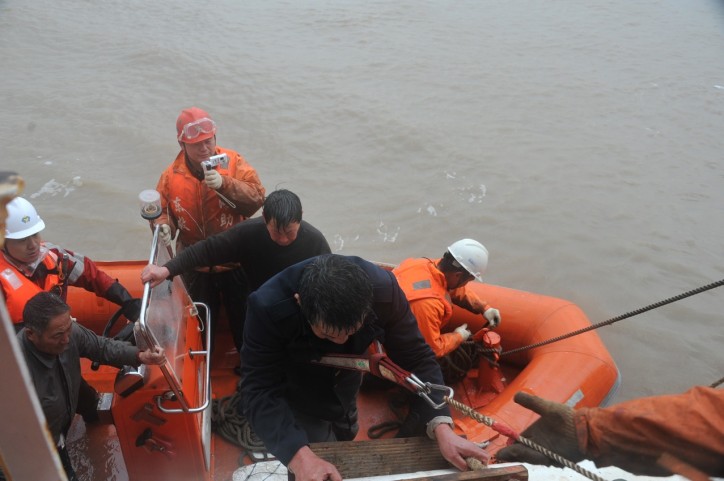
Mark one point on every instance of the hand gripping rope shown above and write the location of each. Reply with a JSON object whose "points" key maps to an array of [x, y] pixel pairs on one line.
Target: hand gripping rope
{"points": [[382, 366], [508, 432]]}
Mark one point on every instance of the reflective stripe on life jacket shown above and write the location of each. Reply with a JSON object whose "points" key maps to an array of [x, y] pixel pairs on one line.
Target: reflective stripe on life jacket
{"points": [[18, 289], [420, 279]]}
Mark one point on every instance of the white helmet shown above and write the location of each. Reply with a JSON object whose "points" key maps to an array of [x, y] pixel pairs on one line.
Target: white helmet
{"points": [[472, 255], [23, 220]]}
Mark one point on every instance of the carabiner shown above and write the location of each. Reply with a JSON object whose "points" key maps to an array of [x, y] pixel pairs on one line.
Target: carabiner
{"points": [[425, 389]]}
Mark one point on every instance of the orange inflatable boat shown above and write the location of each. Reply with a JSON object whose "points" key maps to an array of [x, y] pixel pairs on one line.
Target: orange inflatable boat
{"points": [[162, 416]]}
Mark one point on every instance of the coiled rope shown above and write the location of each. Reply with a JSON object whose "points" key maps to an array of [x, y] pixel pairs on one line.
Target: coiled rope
{"points": [[636, 312], [227, 422], [506, 431], [456, 364]]}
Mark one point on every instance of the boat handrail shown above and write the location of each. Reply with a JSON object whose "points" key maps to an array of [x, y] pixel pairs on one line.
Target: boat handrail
{"points": [[147, 336], [207, 375]]}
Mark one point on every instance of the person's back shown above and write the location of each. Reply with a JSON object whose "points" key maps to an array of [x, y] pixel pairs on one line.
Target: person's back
{"points": [[433, 286], [426, 291]]}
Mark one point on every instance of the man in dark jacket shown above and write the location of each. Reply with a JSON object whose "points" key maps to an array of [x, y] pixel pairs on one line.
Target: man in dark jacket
{"points": [[263, 246], [52, 344], [330, 304]]}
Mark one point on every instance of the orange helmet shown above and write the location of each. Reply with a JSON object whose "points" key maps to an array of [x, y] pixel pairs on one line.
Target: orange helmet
{"points": [[194, 125]]}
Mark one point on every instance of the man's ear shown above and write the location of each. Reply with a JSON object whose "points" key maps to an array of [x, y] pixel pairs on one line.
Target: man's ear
{"points": [[298, 299], [31, 335]]}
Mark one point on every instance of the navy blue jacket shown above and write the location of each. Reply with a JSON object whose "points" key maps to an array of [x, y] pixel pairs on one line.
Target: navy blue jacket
{"points": [[278, 345]]}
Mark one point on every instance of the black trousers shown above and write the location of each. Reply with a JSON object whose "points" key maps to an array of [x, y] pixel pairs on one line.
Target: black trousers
{"points": [[229, 289], [65, 459], [87, 402]]}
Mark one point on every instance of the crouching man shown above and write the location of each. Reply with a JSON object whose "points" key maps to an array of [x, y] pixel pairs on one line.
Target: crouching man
{"points": [[52, 344]]}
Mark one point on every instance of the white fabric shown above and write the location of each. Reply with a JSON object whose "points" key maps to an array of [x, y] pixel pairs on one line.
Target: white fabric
{"points": [[212, 179], [493, 317]]}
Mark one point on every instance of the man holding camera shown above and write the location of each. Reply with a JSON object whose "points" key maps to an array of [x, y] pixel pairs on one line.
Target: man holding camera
{"points": [[200, 200]]}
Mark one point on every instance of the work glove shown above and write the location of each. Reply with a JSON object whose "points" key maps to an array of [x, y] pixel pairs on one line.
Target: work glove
{"points": [[493, 317], [164, 232], [212, 179], [555, 430], [464, 331]]}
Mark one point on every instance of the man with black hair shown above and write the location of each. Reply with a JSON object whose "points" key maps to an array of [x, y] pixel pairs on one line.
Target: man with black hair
{"points": [[331, 304], [52, 344], [263, 246]]}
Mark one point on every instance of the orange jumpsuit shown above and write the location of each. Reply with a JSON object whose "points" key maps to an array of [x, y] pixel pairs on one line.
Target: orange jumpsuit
{"points": [[432, 303], [195, 209], [689, 426]]}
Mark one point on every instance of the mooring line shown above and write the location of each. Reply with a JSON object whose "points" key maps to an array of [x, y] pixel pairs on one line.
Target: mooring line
{"points": [[507, 431], [633, 313]]}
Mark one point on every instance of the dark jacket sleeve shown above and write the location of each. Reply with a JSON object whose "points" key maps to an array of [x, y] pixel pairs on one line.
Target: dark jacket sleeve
{"points": [[103, 349], [217, 249], [263, 381]]}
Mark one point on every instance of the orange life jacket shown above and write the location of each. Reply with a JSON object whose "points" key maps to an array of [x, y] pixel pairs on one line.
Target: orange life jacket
{"points": [[420, 279], [18, 289]]}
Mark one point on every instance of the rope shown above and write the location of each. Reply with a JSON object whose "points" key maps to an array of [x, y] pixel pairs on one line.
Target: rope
{"points": [[455, 366], [636, 312], [506, 431], [717, 383], [227, 422]]}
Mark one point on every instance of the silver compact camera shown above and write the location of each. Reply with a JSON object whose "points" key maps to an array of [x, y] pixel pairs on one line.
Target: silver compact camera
{"points": [[215, 161]]}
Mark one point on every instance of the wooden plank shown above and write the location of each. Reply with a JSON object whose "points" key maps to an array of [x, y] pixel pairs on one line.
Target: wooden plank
{"points": [[357, 459], [503, 473]]}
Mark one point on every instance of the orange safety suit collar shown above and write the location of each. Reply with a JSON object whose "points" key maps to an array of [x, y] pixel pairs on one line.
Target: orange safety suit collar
{"points": [[18, 288]]}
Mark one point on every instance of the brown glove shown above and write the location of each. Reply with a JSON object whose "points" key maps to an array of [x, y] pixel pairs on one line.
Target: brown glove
{"points": [[555, 430]]}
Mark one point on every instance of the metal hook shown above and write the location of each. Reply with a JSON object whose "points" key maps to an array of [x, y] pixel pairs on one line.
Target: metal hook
{"points": [[425, 389]]}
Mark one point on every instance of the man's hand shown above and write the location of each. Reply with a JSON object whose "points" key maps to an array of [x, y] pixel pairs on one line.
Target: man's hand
{"points": [[307, 466], [463, 331], [152, 356], [455, 449], [154, 274], [212, 179], [555, 430], [164, 232], [493, 317]]}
